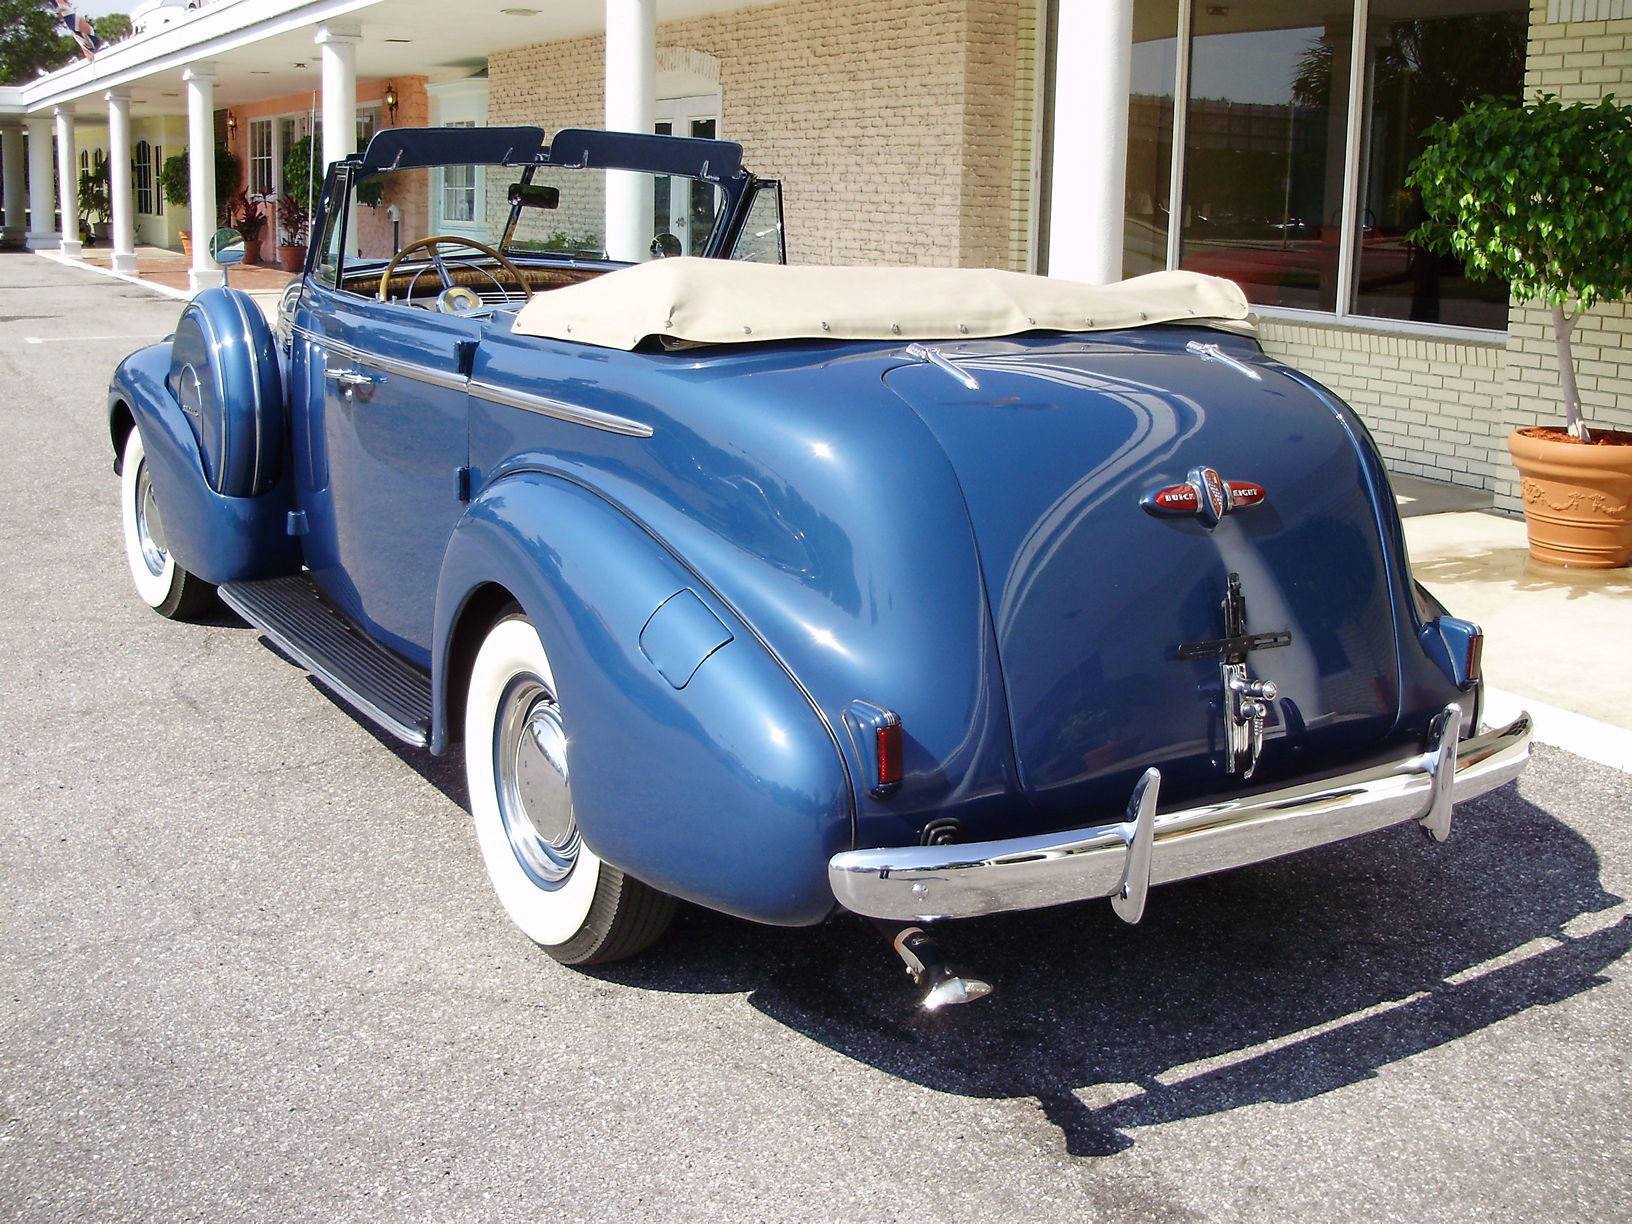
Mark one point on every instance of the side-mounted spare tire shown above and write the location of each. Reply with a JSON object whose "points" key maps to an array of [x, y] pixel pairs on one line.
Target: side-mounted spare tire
{"points": [[224, 372]]}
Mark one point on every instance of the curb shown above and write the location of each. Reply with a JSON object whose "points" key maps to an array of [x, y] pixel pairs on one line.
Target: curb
{"points": [[1585, 737]]}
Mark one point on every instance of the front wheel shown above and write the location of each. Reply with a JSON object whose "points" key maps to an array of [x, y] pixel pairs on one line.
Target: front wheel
{"points": [[581, 910], [163, 585]]}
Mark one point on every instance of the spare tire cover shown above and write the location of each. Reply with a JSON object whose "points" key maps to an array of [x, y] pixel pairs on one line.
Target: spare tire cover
{"points": [[224, 372]]}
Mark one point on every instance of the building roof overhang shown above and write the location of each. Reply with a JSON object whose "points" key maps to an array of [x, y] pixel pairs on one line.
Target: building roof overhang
{"points": [[266, 48]]}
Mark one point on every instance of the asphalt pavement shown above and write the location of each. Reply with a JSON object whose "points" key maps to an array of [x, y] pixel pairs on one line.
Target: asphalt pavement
{"points": [[252, 969]]}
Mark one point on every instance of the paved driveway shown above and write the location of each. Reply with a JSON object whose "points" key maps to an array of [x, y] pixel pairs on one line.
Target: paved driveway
{"points": [[251, 968]]}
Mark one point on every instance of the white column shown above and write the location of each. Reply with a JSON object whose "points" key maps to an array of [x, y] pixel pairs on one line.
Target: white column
{"points": [[41, 214], [205, 272], [124, 217], [631, 101], [1091, 79], [11, 157], [67, 183], [338, 44]]}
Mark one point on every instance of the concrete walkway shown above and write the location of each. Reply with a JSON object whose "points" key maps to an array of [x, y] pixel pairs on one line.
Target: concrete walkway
{"points": [[165, 271], [1558, 641]]}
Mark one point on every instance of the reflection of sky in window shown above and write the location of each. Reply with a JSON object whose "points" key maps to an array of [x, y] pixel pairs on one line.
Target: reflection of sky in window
{"points": [[1153, 67], [1256, 66], [1253, 67]]}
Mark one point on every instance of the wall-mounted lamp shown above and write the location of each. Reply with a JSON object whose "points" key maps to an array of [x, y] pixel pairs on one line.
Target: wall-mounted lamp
{"points": [[390, 99], [232, 124]]}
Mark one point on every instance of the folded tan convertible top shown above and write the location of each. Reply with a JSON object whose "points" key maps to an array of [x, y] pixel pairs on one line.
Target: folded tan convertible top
{"points": [[716, 301]]}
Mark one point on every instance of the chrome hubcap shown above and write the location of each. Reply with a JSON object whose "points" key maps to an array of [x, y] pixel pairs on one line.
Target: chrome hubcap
{"points": [[530, 769], [149, 527]]}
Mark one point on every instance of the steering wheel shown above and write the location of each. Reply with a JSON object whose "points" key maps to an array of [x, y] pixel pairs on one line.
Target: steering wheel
{"points": [[432, 243]]}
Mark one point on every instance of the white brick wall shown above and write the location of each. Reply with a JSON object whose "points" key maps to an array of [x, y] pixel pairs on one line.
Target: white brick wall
{"points": [[890, 125], [1429, 403]]}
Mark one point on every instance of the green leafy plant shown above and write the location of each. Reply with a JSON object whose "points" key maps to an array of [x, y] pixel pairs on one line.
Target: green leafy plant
{"points": [[95, 192], [176, 183], [370, 190], [302, 183], [1539, 196]]}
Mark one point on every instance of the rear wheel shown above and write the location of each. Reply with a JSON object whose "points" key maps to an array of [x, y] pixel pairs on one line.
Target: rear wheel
{"points": [[581, 910], [163, 585]]}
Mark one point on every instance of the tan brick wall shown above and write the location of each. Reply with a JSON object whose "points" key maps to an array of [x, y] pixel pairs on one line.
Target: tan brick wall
{"points": [[1578, 61], [890, 125], [1429, 403]]}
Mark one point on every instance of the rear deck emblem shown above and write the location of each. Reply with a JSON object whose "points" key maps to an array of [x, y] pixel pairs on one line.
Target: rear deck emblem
{"points": [[1205, 495]]}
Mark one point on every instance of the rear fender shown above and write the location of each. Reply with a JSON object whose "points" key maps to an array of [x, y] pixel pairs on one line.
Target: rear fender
{"points": [[728, 790], [218, 538]]}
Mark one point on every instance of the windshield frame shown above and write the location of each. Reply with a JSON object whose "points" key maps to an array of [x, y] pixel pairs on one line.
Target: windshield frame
{"points": [[715, 162]]}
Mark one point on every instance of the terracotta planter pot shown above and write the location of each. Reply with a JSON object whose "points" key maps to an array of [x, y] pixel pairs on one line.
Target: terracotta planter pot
{"points": [[252, 250], [293, 258], [186, 237], [1577, 498]]}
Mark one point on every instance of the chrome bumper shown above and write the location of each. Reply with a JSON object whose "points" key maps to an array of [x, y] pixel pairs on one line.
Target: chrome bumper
{"points": [[1121, 861]]}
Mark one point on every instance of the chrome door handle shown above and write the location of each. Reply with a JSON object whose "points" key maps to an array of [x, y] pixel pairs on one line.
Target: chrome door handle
{"points": [[351, 378]]}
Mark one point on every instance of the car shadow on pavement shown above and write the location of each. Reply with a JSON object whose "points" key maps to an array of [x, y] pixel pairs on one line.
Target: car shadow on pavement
{"points": [[1273, 983]]}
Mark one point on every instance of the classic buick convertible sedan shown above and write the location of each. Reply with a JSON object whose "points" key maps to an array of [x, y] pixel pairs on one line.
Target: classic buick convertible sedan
{"points": [[918, 593]]}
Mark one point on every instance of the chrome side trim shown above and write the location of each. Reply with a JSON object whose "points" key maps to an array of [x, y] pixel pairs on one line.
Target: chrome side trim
{"points": [[923, 883], [545, 406], [490, 392], [390, 365], [413, 736]]}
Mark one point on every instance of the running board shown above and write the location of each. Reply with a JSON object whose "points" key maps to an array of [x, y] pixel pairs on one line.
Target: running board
{"points": [[295, 617]]}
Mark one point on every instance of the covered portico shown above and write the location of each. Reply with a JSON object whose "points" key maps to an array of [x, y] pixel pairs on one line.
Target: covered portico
{"points": [[227, 58]]}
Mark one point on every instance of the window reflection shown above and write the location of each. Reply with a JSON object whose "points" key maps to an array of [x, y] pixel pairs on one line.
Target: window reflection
{"points": [[1150, 136], [1268, 107], [1425, 67], [1265, 146]]}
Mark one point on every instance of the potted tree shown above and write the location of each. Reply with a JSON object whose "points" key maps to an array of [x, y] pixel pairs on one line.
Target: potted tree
{"points": [[95, 188], [301, 183], [177, 188], [1540, 196], [176, 183]]}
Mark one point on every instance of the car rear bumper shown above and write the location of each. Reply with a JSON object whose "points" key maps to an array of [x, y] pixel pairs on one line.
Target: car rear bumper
{"points": [[1120, 861]]}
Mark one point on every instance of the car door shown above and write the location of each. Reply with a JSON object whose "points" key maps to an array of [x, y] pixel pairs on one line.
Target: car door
{"points": [[381, 467]]}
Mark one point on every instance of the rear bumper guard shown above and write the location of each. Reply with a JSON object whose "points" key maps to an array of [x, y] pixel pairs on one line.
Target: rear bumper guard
{"points": [[1121, 861]]}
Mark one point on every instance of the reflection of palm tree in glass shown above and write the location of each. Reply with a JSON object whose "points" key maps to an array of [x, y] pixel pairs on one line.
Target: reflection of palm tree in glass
{"points": [[1428, 69]]}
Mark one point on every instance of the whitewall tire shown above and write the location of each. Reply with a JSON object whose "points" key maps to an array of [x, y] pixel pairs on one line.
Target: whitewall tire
{"points": [[580, 909], [163, 585]]}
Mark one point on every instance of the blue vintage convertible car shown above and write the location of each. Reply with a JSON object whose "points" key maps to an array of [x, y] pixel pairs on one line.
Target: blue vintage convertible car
{"points": [[921, 593]]}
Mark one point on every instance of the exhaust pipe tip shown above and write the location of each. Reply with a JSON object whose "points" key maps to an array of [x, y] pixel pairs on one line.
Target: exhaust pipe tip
{"points": [[954, 988], [944, 985]]}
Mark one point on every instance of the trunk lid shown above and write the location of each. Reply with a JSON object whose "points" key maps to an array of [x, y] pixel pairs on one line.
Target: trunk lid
{"points": [[1092, 595]]}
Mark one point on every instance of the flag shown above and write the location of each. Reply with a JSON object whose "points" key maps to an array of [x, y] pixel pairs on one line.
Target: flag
{"points": [[84, 33]]}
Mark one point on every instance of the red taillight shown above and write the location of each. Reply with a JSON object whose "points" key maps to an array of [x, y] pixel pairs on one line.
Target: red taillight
{"points": [[1476, 656], [889, 755]]}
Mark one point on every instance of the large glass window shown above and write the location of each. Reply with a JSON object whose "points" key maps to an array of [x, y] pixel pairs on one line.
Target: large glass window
{"points": [[1263, 184], [1150, 137], [1425, 64], [144, 178], [1266, 129], [261, 180]]}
